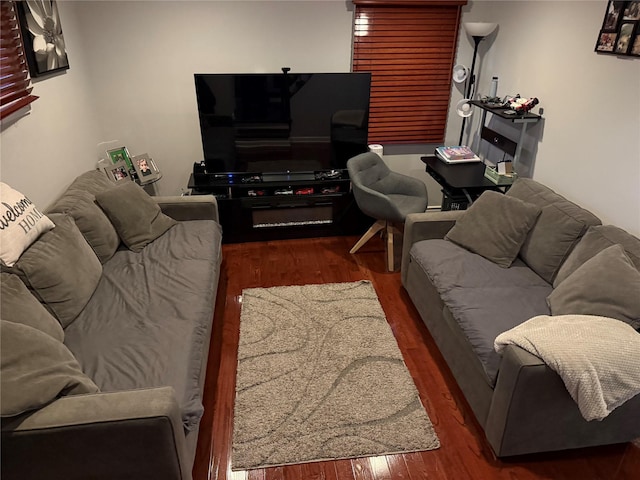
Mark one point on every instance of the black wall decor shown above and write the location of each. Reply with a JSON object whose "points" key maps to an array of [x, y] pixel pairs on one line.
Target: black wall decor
{"points": [[620, 32], [43, 39]]}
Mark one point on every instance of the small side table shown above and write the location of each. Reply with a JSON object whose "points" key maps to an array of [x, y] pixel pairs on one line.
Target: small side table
{"points": [[149, 186], [461, 183]]}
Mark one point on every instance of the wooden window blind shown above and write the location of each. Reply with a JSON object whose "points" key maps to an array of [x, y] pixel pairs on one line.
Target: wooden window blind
{"points": [[15, 84], [409, 47]]}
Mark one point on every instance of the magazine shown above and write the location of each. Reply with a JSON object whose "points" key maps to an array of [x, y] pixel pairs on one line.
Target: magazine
{"points": [[456, 152], [458, 160]]}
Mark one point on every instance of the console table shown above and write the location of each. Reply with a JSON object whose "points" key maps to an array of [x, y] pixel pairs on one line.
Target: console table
{"points": [[461, 183], [261, 207]]}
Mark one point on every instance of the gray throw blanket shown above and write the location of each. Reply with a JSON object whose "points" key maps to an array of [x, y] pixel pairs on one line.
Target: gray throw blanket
{"points": [[597, 358]]}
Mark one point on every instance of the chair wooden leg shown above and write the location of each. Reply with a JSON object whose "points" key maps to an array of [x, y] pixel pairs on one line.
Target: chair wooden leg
{"points": [[389, 246], [375, 228]]}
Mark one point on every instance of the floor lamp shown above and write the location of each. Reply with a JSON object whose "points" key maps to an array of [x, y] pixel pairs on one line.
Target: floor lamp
{"points": [[478, 31]]}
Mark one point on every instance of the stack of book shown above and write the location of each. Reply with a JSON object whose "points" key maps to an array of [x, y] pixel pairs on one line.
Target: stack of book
{"points": [[460, 153]]}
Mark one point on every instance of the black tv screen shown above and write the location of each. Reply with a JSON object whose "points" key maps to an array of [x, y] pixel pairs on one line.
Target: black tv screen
{"points": [[282, 122]]}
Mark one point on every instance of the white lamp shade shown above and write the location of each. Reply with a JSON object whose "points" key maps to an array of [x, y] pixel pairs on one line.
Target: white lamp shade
{"points": [[479, 29], [463, 108], [460, 73]]}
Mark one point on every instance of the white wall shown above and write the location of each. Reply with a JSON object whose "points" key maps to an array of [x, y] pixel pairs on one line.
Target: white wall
{"points": [[142, 67], [41, 153], [131, 79], [589, 149]]}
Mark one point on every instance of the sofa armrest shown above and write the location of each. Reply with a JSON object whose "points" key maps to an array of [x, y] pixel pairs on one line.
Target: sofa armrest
{"points": [[532, 411], [425, 226], [131, 434], [189, 207]]}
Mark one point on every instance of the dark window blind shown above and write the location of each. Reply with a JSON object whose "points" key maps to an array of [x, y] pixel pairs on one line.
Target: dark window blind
{"points": [[409, 47], [15, 84]]}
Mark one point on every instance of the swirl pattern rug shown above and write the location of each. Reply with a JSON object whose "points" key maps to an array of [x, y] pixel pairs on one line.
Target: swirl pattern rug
{"points": [[320, 377]]}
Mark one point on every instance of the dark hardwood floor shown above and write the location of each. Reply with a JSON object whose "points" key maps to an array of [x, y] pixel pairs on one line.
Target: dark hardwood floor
{"points": [[464, 452]]}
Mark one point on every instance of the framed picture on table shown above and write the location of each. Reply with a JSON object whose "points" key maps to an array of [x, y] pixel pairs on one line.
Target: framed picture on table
{"points": [[146, 169], [116, 172], [120, 154]]}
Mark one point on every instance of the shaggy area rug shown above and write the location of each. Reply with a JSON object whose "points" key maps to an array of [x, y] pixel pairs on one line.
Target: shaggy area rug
{"points": [[320, 377]]}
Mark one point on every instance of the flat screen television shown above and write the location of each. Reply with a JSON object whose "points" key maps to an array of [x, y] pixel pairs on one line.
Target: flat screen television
{"points": [[282, 122]]}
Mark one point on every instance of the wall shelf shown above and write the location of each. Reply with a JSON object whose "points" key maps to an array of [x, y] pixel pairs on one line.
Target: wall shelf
{"points": [[510, 147]]}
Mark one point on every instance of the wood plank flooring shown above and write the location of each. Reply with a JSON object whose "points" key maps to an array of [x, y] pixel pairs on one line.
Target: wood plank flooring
{"points": [[464, 452]]}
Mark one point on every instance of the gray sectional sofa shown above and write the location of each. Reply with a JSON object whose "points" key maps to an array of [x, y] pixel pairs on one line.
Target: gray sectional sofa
{"points": [[133, 287], [466, 300]]}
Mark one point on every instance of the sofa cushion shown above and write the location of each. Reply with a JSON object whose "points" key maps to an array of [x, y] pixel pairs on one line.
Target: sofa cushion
{"points": [[495, 226], [96, 228], [148, 322], [607, 285], [136, 217], [93, 182], [484, 298], [21, 223], [594, 241], [557, 230], [60, 269], [18, 305], [36, 369]]}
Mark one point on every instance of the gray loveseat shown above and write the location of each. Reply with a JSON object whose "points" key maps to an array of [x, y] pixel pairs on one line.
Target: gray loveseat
{"points": [[138, 321], [466, 300]]}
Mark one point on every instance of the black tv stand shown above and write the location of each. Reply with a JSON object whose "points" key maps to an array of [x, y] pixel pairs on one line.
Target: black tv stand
{"points": [[288, 176], [256, 206]]}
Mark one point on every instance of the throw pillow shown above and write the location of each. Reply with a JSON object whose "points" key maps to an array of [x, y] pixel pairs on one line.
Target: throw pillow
{"points": [[607, 285], [61, 270], [91, 221], [36, 369], [18, 305], [594, 241], [495, 226], [93, 181], [21, 223], [136, 217], [558, 229], [550, 241]]}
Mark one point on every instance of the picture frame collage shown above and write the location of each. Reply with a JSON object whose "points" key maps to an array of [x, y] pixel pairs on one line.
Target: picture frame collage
{"points": [[620, 32], [121, 166]]}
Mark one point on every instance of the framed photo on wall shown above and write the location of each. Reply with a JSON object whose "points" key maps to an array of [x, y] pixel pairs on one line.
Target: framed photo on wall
{"points": [[632, 10], [635, 46], [624, 37], [44, 44], [606, 42], [120, 154], [613, 16], [146, 169], [620, 29]]}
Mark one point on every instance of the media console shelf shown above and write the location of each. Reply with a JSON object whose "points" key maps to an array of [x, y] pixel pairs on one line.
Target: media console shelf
{"points": [[259, 207]]}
